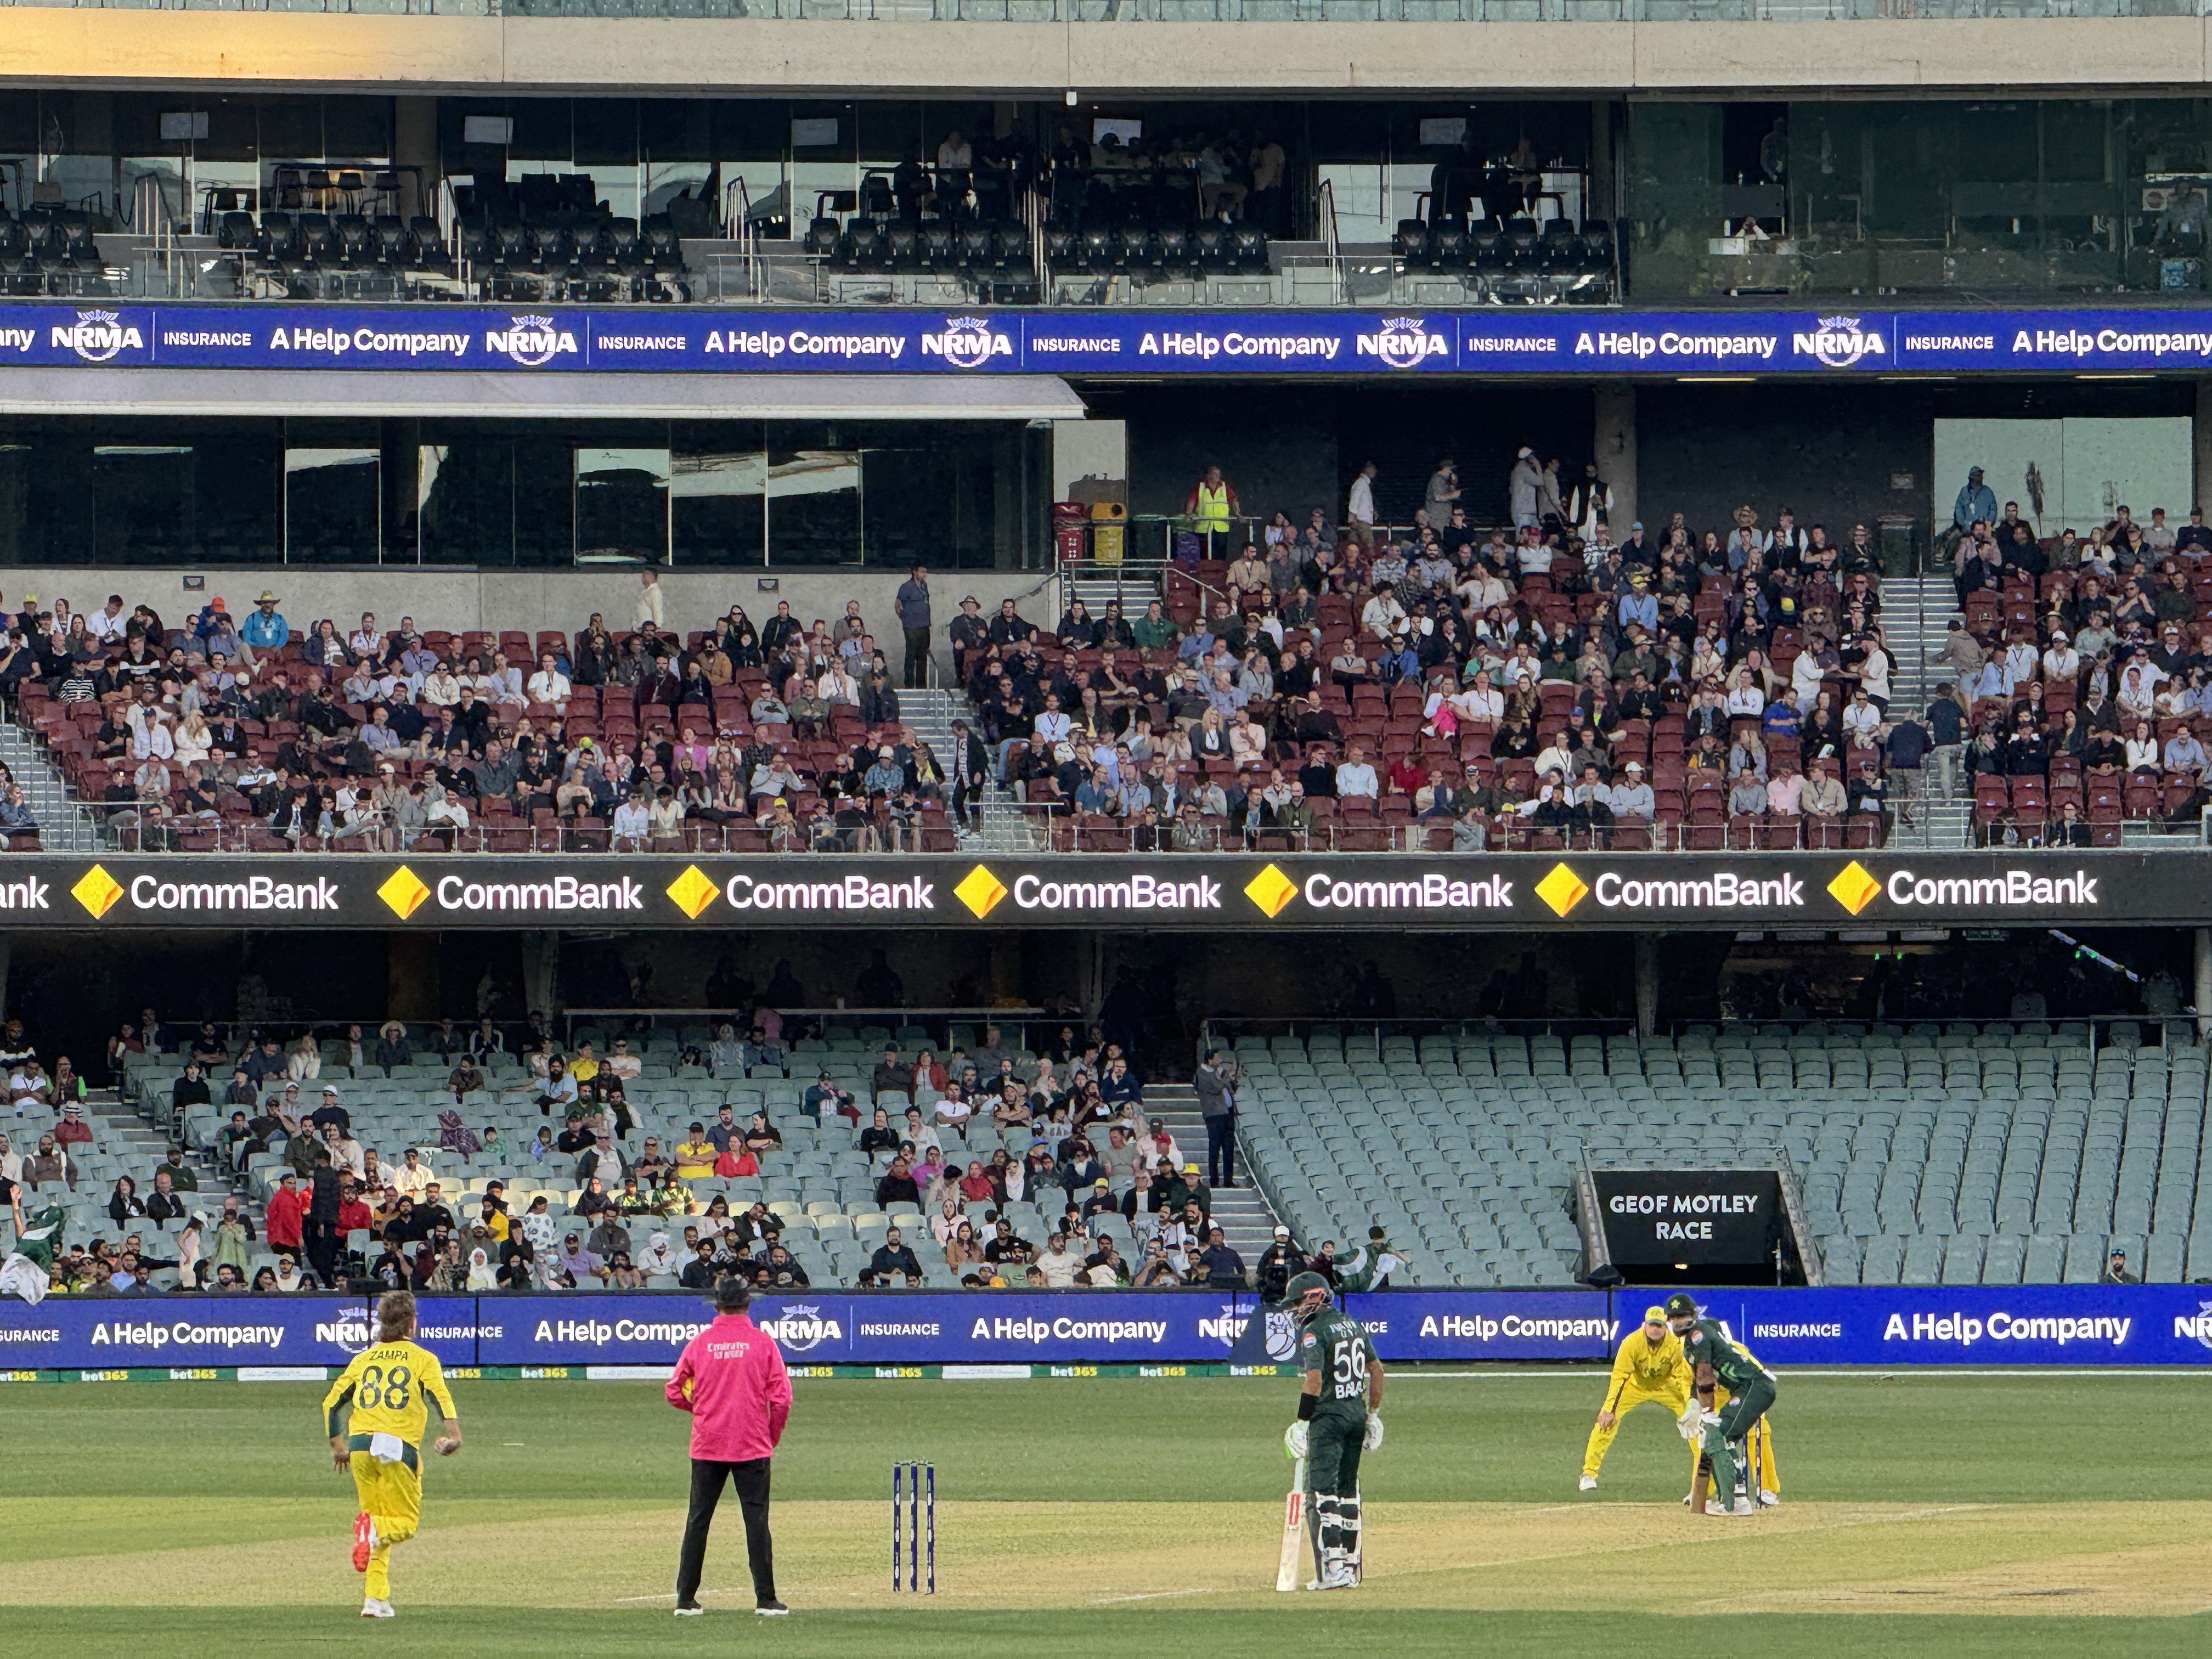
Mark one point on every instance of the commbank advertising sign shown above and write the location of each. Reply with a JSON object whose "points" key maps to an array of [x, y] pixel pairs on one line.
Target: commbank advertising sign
{"points": [[1554, 341], [1227, 891]]}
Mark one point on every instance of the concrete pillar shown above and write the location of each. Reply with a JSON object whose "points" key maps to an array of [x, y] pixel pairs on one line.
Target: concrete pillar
{"points": [[1647, 985], [415, 144], [541, 972], [411, 977], [1613, 447], [2199, 446], [2204, 983]]}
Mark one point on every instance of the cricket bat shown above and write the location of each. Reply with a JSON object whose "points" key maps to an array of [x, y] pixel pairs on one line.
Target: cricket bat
{"points": [[1701, 1484], [1294, 1530]]}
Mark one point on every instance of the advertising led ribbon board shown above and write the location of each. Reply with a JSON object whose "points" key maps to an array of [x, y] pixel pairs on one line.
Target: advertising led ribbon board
{"points": [[1555, 341], [1233, 892], [1967, 1325]]}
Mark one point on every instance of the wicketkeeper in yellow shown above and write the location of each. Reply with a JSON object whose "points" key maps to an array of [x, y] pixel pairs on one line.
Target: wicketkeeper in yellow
{"points": [[1650, 1366], [380, 1444]]}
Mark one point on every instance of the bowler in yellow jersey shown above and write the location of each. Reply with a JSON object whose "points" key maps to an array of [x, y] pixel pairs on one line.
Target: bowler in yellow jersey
{"points": [[381, 1442], [1650, 1366]]}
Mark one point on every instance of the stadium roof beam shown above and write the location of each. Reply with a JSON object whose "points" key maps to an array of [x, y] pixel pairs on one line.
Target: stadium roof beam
{"points": [[468, 394], [732, 57]]}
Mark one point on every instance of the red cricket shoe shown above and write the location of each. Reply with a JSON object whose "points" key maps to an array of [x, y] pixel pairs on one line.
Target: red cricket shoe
{"points": [[364, 1540]]}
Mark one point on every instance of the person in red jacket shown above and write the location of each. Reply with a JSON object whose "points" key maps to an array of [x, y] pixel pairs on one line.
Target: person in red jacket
{"points": [[288, 1208], [731, 1380]]}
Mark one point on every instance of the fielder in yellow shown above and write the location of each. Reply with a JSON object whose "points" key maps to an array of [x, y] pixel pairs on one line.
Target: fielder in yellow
{"points": [[1650, 1366], [380, 1442]]}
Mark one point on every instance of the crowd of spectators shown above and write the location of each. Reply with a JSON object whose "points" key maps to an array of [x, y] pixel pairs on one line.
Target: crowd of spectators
{"points": [[1456, 688], [1103, 1196], [1442, 687], [2078, 680], [233, 733]]}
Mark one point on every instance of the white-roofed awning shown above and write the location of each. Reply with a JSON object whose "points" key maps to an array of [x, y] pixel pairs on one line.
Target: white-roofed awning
{"points": [[554, 396]]}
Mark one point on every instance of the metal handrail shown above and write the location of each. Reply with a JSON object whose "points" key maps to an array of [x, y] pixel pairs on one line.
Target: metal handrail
{"points": [[1325, 211]]}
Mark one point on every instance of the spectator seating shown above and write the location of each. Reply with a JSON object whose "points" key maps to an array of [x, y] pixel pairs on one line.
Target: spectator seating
{"points": [[821, 1188], [1927, 1154]]}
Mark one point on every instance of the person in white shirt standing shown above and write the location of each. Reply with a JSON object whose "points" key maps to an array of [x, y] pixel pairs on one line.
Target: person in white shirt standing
{"points": [[1359, 506], [650, 607]]}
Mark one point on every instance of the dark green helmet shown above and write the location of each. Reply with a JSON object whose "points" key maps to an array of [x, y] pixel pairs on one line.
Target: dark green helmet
{"points": [[1681, 1305], [1306, 1295]]}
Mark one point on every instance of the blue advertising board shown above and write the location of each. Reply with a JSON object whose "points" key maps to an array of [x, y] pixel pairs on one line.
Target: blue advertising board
{"points": [[2069, 1325], [1556, 341], [120, 1332]]}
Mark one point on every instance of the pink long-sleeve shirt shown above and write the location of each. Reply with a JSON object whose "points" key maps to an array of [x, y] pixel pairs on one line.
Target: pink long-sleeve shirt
{"points": [[730, 1379]]}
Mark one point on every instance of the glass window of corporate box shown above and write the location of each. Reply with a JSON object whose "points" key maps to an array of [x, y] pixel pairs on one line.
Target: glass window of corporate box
{"points": [[1925, 196], [210, 491]]}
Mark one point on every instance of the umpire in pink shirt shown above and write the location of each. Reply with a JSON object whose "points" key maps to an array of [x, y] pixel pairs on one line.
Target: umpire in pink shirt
{"points": [[731, 1380]]}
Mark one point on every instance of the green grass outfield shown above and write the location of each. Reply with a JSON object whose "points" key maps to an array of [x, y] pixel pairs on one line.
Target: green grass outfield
{"points": [[2018, 1513]]}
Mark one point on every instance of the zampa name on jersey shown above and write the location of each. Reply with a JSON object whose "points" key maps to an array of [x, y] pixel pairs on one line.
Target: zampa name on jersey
{"points": [[801, 1327], [1402, 343], [97, 336], [967, 343], [531, 342], [1838, 342]]}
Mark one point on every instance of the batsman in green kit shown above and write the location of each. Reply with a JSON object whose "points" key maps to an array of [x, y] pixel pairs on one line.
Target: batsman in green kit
{"points": [[1714, 1359], [1339, 1416]]}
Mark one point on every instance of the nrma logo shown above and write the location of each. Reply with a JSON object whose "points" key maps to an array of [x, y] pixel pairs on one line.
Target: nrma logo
{"points": [[967, 343], [1403, 342], [2199, 1326], [801, 1327], [97, 336], [1838, 342], [531, 342], [347, 1328]]}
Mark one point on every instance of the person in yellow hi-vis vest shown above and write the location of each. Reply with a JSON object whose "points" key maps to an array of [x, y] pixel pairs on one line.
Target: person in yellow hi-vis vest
{"points": [[1650, 1366], [1211, 504], [380, 1442]]}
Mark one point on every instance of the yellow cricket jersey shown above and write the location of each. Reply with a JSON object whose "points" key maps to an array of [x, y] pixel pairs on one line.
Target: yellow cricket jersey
{"points": [[386, 1385], [1652, 1370]]}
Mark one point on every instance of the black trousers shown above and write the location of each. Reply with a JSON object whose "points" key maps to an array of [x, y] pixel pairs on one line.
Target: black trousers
{"points": [[1221, 1148], [750, 1478], [917, 656]]}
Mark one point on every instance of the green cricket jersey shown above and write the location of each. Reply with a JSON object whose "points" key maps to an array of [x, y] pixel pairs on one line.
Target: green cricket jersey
{"points": [[1734, 1370], [1336, 1345]]}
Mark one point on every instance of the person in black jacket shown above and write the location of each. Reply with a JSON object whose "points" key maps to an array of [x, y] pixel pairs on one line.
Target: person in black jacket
{"points": [[189, 1090], [321, 1232], [898, 1186], [892, 1259]]}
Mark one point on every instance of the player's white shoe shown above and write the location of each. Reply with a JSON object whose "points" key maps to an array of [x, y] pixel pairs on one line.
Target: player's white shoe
{"points": [[1768, 1500], [1589, 1483], [1338, 1576], [376, 1608], [1745, 1506], [689, 1610]]}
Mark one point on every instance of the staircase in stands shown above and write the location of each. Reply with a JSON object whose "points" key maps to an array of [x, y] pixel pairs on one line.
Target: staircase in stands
{"points": [[1916, 616], [1004, 827], [64, 826], [1247, 1223]]}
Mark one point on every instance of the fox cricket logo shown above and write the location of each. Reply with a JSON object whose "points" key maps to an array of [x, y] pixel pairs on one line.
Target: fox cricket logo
{"points": [[967, 343], [98, 335], [801, 1327], [532, 341], [1402, 343], [1838, 342]]}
